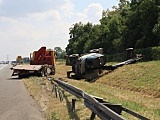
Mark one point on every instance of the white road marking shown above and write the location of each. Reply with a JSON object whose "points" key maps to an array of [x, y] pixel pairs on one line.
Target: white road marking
{"points": [[2, 66]]}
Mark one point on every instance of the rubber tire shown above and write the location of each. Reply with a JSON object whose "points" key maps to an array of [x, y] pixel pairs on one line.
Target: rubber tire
{"points": [[53, 71], [42, 72]]}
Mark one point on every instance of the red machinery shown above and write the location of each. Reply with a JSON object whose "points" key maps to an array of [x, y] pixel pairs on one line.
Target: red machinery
{"points": [[42, 62]]}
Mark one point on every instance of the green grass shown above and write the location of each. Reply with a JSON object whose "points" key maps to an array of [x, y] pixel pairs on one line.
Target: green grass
{"points": [[135, 101], [135, 86], [141, 77], [60, 60]]}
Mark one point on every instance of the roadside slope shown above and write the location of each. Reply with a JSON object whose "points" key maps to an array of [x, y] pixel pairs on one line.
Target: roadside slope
{"points": [[141, 77], [130, 85]]}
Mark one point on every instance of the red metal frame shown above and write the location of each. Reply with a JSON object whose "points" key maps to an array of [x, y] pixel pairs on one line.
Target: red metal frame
{"points": [[43, 56]]}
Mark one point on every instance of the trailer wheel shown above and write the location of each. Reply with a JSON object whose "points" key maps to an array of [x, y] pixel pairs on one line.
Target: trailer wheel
{"points": [[42, 72], [47, 71], [53, 71], [20, 76]]}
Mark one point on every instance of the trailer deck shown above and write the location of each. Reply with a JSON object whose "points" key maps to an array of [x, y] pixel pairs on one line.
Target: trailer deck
{"points": [[25, 69]]}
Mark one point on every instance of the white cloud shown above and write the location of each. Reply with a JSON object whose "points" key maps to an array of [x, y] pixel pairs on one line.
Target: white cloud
{"points": [[33, 31], [67, 9], [94, 12], [82, 17], [26, 27], [47, 15], [91, 14]]}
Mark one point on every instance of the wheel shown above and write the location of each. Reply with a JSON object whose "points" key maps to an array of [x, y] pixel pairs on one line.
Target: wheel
{"points": [[53, 71], [42, 72], [20, 76], [68, 74], [47, 71]]}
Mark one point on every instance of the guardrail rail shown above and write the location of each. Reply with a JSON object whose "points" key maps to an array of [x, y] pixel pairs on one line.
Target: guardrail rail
{"points": [[104, 110]]}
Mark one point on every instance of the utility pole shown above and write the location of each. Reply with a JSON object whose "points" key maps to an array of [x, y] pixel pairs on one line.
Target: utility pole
{"points": [[7, 58]]}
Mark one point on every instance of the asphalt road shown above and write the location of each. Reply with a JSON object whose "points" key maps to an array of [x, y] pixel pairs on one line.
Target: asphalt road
{"points": [[15, 101]]}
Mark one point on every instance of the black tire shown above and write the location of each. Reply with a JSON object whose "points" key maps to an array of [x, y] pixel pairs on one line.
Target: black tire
{"points": [[53, 71], [23, 76], [20, 76], [42, 72], [47, 71]]}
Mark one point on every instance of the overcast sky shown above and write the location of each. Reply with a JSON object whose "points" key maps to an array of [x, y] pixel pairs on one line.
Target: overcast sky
{"points": [[26, 25]]}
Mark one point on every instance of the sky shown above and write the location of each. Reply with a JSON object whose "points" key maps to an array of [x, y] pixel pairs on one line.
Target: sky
{"points": [[27, 25]]}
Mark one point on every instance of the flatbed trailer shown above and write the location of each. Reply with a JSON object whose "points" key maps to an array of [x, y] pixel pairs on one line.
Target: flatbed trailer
{"points": [[25, 70], [42, 62]]}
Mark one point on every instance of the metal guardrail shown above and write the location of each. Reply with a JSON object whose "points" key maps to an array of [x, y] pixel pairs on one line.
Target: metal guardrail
{"points": [[104, 110]]}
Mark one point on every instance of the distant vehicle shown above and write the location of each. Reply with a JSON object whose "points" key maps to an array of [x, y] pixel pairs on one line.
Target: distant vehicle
{"points": [[42, 62], [4, 62], [19, 60], [14, 63]]}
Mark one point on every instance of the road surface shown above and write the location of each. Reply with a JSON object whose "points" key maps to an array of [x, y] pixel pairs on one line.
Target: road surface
{"points": [[15, 101]]}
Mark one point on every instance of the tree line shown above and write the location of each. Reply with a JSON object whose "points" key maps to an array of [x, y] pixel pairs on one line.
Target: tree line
{"points": [[134, 23]]}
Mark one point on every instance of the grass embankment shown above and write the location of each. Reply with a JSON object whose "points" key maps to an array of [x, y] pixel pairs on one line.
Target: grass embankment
{"points": [[142, 77], [135, 86]]}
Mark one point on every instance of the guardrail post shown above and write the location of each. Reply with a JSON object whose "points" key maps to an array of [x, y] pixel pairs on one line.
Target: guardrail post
{"points": [[93, 115], [73, 104], [55, 91], [60, 95]]}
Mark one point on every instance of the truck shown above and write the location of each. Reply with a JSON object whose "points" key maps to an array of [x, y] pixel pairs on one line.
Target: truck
{"points": [[42, 63], [91, 65], [87, 66], [19, 60]]}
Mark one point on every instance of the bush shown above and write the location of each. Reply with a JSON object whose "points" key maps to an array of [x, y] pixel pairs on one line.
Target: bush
{"points": [[149, 54], [115, 57]]}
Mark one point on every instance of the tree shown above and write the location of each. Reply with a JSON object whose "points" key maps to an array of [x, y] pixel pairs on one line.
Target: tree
{"points": [[113, 23], [79, 35], [134, 23], [140, 24], [59, 53]]}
